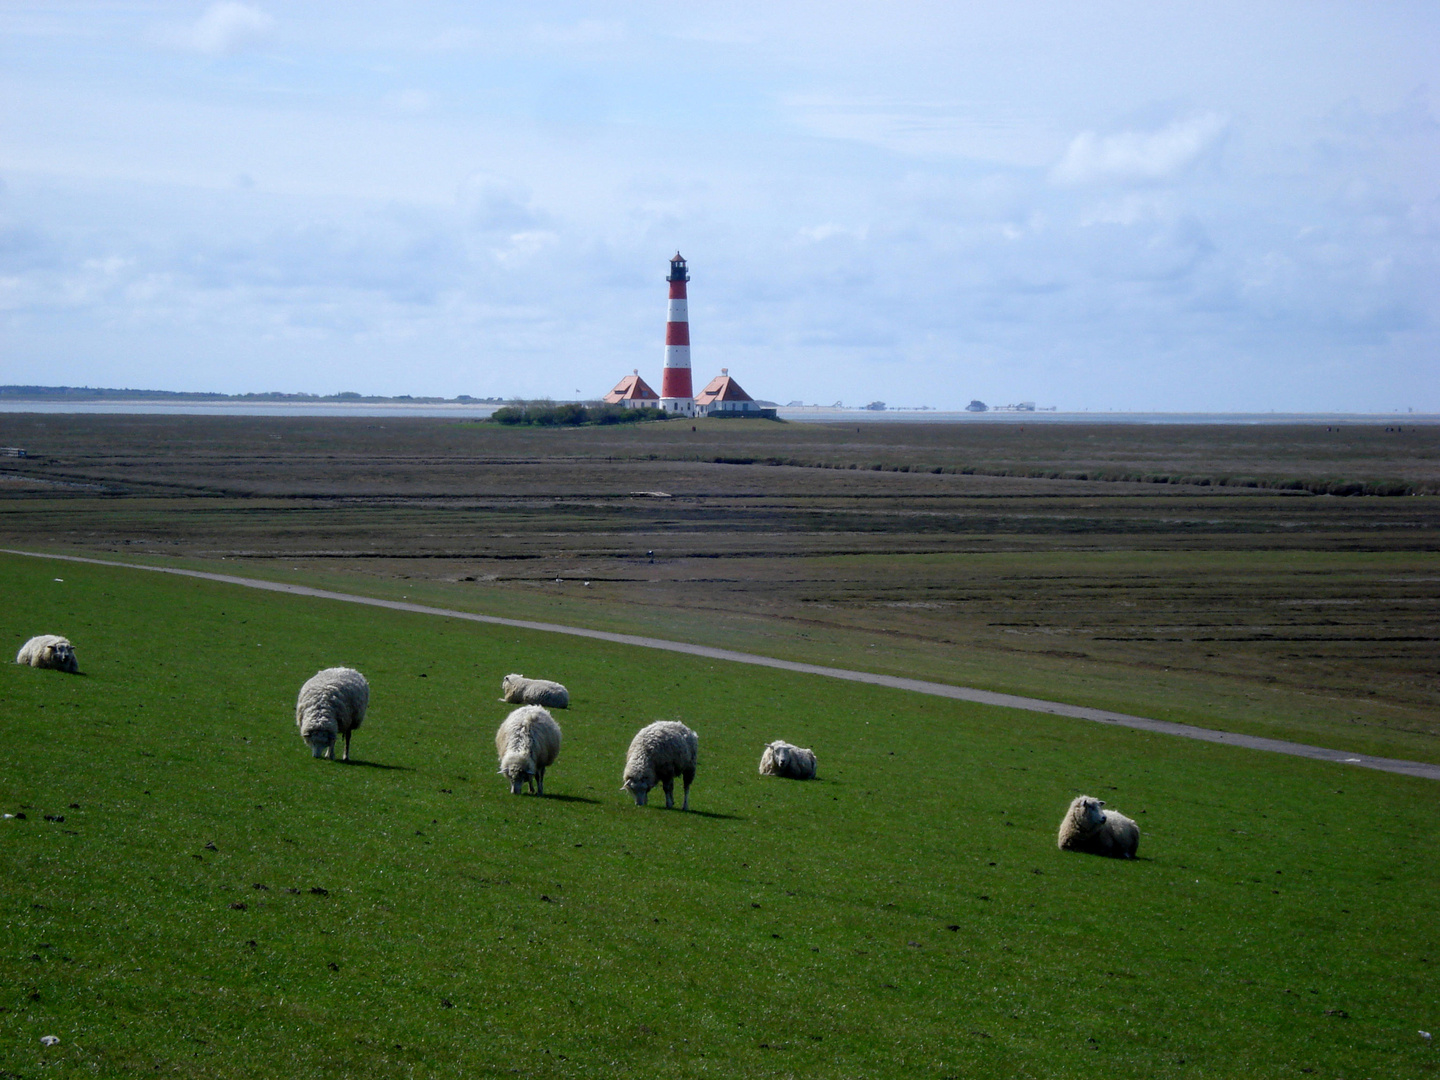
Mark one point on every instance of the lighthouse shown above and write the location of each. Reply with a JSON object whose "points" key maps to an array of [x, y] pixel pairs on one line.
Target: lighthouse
{"points": [[676, 395]]}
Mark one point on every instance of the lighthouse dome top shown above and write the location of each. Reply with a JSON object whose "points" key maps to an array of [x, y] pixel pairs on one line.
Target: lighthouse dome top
{"points": [[677, 269]]}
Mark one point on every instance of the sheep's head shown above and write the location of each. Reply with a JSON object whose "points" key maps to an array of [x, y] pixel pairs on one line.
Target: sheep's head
{"points": [[321, 743], [509, 683], [638, 787], [57, 654], [519, 778], [1091, 814], [519, 768], [780, 753]]}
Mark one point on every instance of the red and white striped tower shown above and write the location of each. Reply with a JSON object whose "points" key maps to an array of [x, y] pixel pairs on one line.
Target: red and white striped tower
{"points": [[676, 395]]}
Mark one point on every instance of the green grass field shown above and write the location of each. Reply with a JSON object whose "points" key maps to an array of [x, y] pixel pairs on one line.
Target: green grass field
{"points": [[906, 915]]}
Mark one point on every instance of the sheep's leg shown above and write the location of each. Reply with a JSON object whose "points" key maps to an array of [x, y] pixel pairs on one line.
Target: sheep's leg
{"points": [[540, 779], [669, 786], [689, 777], [347, 747]]}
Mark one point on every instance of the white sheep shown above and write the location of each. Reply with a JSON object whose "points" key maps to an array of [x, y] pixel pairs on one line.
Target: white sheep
{"points": [[49, 651], [792, 762], [518, 690], [1086, 827], [659, 753], [332, 702], [528, 742]]}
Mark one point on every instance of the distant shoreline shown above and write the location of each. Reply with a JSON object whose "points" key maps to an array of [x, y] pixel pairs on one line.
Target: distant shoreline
{"points": [[822, 415], [119, 407], [273, 397], [63, 400]]}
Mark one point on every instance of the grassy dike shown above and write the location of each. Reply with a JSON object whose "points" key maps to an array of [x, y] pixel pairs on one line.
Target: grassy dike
{"points": [[1195, 690], [907, 914]]}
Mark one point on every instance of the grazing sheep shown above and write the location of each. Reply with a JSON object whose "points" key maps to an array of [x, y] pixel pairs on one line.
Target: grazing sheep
{"points": [[49, 651], [659, 753], [528, 743], [518, 690], [1088, 828], [792, 762], [332, 702]]}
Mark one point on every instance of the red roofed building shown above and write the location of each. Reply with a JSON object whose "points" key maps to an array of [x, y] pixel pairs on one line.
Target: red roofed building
{"points": [[633, 393], [724, 396]]}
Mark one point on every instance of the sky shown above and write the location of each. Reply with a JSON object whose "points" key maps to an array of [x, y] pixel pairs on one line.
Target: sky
{"points": [[1108, 206]]}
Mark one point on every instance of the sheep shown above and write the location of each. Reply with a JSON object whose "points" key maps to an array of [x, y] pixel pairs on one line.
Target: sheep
{"points": [[518, 690], [332, 702], [528, 742], [659, 753], [49, 651], [792, 762], [1086, 827]]}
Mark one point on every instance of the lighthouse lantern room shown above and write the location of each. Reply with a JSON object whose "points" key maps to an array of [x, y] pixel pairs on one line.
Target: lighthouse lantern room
{"points": [[676, 394]]}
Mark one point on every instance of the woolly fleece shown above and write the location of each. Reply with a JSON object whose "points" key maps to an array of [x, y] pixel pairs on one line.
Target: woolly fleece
{"points": [[518, 690], [332, 703], [659, 753], [49, 651], [528, 742], [1088, 828], [785, 759]]}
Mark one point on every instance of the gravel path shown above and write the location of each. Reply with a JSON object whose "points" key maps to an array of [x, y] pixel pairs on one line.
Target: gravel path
{"points": [[962, 693]]}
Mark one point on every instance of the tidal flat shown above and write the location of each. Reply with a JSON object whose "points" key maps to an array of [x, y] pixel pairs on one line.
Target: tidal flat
{"points": [[1168, 583]]}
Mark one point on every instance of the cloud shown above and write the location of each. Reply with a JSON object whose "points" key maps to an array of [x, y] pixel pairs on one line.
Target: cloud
{"points": [[921, 221], [1130, 208], [225, 27], [496, 205], [1130, 157], [924, 128]]}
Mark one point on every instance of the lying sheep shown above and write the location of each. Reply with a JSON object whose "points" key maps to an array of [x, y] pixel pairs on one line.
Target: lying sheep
{"points": [[791, 762], [332, 702], [518, 690], [1088, 828], [49, 651], [659, 753], [528, 743]]}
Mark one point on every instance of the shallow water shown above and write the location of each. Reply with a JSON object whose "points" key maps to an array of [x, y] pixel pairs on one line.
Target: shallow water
{"points": [[246, 408], [804, 414]]}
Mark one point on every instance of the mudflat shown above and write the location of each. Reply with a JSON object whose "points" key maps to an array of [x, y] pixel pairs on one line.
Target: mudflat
{"points": [[1190, 573]]}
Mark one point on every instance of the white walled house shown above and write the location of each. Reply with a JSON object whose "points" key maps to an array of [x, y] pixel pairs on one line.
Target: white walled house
{"points": [[632, 392], [724, 397]]}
